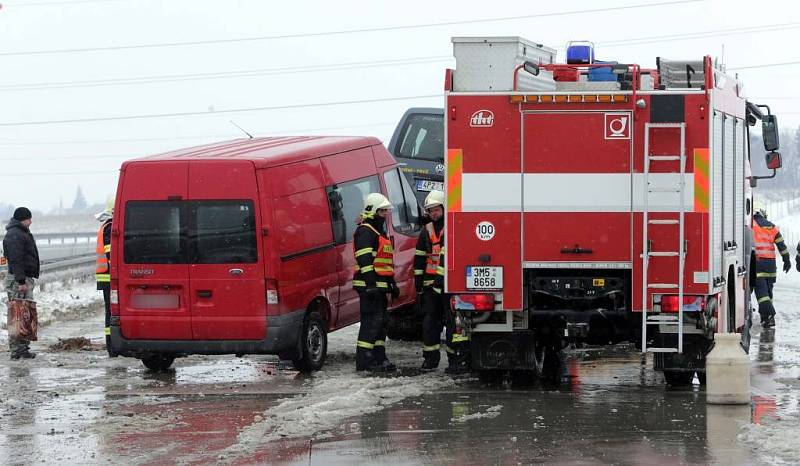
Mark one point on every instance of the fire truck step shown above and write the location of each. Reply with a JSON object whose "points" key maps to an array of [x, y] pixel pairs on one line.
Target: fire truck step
{"points": [[666, 125], [662, 350], [663, 222], [662, 285], [661, 318], [664, 158], [664, 190], [665, 322], [663, 254]]}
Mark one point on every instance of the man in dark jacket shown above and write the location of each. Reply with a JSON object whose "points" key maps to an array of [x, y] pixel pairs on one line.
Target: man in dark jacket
{"points": [[20, 251]]}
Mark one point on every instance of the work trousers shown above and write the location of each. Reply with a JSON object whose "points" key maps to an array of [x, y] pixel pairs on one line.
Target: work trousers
{"points": [[371, 344], [764, 296], [437, 314]]}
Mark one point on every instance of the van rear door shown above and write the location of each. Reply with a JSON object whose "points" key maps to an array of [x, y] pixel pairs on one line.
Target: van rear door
{"points": [[227, 291], [154, 272]]}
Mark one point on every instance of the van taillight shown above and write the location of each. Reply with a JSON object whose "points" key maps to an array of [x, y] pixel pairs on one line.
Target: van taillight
{"points": [[272, 291], [669, 303], [114, 298], [473, 302]]}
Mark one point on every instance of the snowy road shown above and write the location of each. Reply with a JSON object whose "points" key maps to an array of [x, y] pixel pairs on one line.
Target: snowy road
{"points": [[81, 407]]}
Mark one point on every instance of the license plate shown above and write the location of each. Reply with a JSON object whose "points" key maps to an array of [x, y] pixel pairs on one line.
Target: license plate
{"points": [[429, 185], [484, 278]]}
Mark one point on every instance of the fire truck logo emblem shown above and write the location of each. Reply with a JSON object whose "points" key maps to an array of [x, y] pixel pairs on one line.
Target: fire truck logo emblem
{"points": [[618, 126], [482, 119]]}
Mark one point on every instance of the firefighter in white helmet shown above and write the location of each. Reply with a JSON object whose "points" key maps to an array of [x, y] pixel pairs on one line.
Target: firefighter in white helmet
{"points": [[767, 236], [429, 282], [373, 280]]}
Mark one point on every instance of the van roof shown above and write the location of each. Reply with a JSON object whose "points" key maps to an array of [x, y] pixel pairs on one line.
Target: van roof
{"points": [[268, 151]]}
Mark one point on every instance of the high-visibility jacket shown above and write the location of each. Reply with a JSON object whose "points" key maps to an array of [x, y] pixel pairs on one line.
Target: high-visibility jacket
{"points": [[102, 272], [767, 236], [428, 255], [374, 256]]}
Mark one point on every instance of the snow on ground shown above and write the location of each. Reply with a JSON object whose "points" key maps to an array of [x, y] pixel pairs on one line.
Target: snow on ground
{"points": [[338, 393], [491, 412], [60, 300], [774, 438]]}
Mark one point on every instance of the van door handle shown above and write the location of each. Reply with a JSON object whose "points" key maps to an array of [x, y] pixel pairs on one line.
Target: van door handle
{"points": [[204, 293], [236, 271]]}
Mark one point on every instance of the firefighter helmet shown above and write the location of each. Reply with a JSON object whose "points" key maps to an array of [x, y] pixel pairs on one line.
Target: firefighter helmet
{"points": [[108, 213], [433, 199], [759, 209], [375, 201]]}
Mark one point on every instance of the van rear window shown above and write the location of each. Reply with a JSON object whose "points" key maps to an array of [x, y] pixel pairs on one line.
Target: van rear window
{"points": [[190, 232], [155, 232]]}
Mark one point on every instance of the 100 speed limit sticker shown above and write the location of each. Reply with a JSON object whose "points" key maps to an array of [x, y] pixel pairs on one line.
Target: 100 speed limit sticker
{"points": [[485, 231]]}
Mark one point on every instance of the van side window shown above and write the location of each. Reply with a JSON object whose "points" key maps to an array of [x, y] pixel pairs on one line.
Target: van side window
{"points": [[224, 233], [405, 213], [346, 201], [155, 233]]}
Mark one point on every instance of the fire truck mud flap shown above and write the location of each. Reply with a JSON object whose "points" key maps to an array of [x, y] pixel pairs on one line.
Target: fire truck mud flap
{"points": [[283, 332]]}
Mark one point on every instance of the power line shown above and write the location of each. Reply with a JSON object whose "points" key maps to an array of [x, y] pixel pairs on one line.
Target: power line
{"points": [[367, 64], [72, 2], [224, 74], [79, 173], [764, 65], [228, 136], [220, 112], [349, 31]]}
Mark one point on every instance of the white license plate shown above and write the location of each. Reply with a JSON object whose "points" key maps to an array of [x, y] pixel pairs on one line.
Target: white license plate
{"points": [[484, 278], [429, 185]]}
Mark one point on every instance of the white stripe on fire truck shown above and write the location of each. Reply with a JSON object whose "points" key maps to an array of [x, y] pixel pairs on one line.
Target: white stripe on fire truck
{"points": [[572, 192]]}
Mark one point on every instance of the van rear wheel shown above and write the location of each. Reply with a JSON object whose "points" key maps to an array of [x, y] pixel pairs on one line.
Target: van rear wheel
{"points": [[158, 362], [313, 343]]}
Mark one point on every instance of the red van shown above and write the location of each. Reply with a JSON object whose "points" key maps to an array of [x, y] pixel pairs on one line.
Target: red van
{"points": [[245, 246]]}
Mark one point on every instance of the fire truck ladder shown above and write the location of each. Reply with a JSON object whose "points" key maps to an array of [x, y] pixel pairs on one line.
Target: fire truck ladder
{"points": [[648, 254]]}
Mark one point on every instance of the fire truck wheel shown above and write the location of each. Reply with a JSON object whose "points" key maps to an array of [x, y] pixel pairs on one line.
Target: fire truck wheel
{"points": [[314, 344], [158, 362], [678, 378]]}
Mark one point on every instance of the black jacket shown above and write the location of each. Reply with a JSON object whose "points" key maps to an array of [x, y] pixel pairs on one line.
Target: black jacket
{"points": [[20, 250]]}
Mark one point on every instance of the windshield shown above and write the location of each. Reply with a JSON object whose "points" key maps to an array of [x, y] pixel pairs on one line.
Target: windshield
{"points": [[422, 137]]}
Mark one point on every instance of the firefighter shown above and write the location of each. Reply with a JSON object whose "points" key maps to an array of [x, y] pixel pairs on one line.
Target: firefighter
{"points": [[426, 269], [767, 236], [103, 270], [373, 280], [429, 283]]}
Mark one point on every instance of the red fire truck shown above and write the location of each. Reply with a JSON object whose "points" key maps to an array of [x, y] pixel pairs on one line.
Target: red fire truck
{"points": [[597, 202]]}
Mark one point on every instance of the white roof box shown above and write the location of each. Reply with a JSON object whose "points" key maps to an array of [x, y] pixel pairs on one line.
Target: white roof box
{"points": [[486, 64]]}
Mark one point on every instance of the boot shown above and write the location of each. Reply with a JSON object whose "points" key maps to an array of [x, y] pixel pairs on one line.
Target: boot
{"points": [[430, 362], [365, 360], [457, 363], [380, 359]]}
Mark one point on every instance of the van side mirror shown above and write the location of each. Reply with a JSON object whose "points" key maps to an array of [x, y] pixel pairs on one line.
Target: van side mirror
{"points": [[769, 131], [773, 160]]}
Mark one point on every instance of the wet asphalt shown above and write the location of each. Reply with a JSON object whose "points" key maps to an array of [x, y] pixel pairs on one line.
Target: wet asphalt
{"points": [[71, 407]]}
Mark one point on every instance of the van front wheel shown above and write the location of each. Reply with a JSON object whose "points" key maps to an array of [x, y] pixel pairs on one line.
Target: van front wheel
{"points": [[313, 342], [158, 362]]}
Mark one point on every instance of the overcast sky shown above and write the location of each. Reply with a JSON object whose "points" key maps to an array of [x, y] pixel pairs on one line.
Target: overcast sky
{"points": [[43, 163]]}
